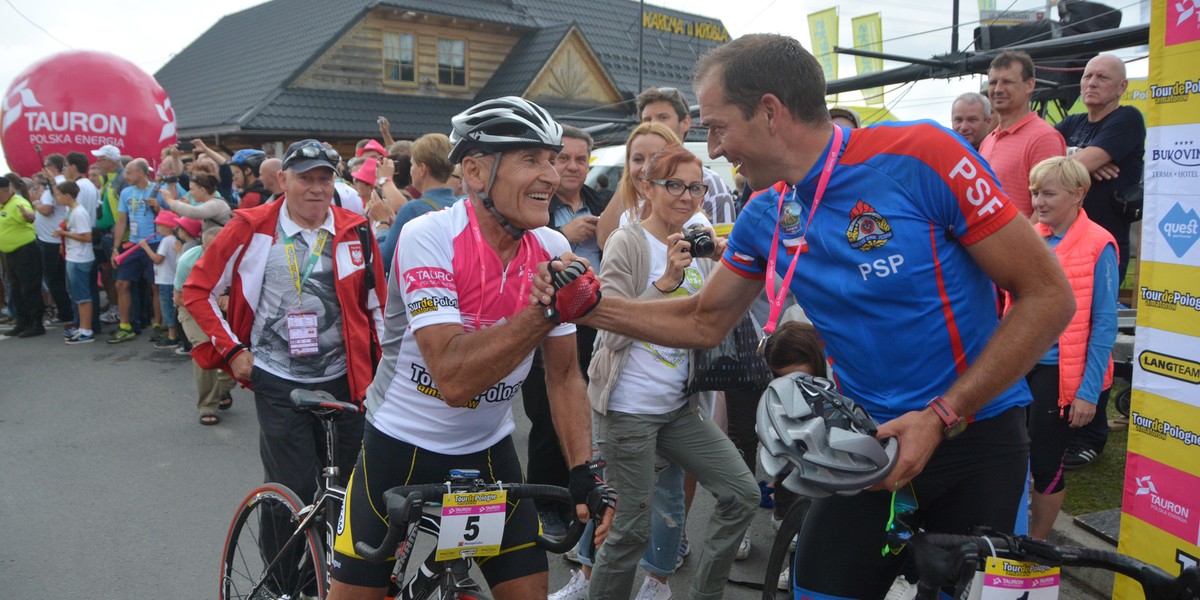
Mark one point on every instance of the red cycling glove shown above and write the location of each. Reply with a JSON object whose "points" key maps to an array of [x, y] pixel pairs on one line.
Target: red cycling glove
{"points": [[576, 292]]}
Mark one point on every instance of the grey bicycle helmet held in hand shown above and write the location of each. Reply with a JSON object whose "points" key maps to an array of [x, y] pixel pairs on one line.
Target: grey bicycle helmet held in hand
{"points": [[503, 124], [821, 442]]}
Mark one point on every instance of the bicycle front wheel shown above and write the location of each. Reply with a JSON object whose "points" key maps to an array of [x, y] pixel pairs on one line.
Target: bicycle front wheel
{"points": [[264, 533]]}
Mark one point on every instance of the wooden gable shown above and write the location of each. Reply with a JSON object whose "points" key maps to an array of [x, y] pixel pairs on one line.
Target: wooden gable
{"points": [[355, 62], [574, 74]]}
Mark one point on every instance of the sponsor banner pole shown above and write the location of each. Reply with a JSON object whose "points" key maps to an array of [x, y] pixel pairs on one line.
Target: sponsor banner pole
{"points": [[823, 30], [868, 35], [1160, 521]]}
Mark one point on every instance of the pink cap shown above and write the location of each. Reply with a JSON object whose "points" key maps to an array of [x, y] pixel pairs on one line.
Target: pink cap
{"points": [[167, 218], [372, 145], [366, 173], [190, 225]]}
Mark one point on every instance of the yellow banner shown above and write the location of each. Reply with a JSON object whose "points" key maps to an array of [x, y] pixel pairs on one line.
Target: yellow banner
{"points": [[868, 35], [1174, 46], [1164, 430], [1172, 303], [1152, 545], [1160, 521], [823, 29]]}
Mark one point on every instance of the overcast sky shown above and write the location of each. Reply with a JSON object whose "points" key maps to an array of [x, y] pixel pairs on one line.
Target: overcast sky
{"points": [[149, 33]]}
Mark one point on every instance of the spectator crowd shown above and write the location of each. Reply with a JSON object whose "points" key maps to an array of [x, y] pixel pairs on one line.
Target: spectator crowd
{"points": [[99, 245]]}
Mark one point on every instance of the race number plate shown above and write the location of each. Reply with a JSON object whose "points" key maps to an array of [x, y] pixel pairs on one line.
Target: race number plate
{"points": [[472, 524], [1010, 579]]}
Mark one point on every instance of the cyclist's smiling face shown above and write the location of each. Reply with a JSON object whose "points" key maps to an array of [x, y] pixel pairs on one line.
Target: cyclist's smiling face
{"points": [[525, 183], [731, 135]]}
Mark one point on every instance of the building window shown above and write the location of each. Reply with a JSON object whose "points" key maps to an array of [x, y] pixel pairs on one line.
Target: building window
{"points": [[452, 62], [399, 62]]}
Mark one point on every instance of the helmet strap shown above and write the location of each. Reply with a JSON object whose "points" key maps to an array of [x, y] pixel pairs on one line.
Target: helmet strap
{"points": [[486, 197]]}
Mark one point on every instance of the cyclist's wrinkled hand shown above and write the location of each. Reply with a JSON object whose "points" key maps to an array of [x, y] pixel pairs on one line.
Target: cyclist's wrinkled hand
{"points": [[576, 291]]}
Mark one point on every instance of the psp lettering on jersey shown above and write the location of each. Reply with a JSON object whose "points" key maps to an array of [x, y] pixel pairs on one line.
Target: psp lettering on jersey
{"points": [[424, 382], [428, 277], [881, 267], [978, 189], [425, 305]]}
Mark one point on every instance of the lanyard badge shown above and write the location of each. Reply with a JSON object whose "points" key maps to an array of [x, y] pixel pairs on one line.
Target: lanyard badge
{"points": [[776, 299]]}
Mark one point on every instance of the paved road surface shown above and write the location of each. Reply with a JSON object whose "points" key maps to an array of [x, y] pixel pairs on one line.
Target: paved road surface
{"points": [[112, 490]]}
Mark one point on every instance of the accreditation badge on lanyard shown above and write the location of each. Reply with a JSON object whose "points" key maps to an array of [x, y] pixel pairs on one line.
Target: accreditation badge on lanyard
{"points": [[302, 325]]}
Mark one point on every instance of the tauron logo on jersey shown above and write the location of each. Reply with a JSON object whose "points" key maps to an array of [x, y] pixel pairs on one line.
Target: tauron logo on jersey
{"points": [[868, 229], [428, 277]]}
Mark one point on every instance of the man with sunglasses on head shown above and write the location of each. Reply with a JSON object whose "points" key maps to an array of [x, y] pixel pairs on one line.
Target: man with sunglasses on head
{"points": [[302, 312], [458, 343]]}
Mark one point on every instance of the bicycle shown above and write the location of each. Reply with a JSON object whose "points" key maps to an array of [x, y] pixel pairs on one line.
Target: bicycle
{"points": [[447, 578], [255, 564], [951, 560]]}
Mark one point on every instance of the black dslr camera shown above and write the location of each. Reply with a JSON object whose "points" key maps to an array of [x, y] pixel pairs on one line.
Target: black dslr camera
{"points": [[702, 245]]}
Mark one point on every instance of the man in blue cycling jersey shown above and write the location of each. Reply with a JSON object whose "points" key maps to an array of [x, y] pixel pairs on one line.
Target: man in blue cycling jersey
{"points": [[896, 233]]}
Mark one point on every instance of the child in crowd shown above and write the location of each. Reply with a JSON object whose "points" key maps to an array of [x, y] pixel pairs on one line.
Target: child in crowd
{"points": [[213, 387], [164, 259], [76, 233]]}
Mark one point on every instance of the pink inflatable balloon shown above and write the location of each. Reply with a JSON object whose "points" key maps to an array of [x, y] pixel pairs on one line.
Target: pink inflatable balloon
{"points": [[80, 101]]}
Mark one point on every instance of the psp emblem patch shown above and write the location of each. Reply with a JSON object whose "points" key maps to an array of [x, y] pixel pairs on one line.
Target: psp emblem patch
{"points": [[868, 229]]}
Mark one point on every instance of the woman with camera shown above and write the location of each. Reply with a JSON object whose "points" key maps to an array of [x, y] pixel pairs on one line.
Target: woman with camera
{"points": [[637, 398]]}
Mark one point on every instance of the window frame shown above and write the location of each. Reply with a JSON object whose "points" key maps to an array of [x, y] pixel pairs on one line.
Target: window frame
{"points": [[400, 36], [466, 79]]}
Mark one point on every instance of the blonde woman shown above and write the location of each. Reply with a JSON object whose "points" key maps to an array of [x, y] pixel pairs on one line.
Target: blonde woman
{"points": [[1077, 371]]}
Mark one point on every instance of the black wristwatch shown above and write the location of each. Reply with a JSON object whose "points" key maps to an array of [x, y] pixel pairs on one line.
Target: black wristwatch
{"points": [[955, 424]]}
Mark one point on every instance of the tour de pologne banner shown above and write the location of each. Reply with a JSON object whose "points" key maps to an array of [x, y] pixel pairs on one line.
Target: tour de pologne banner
{"points": [[1160, 521]]}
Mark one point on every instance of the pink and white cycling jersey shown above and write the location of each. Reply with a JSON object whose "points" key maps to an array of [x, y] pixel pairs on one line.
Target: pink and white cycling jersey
{"points": [[444, 272]]}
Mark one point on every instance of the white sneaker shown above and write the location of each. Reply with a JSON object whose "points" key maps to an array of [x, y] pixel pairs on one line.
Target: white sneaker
{"points": [[652, 589], [572, 555], [110, 316], [743, 551], [576, 588], [785, 580], [901, 590]]}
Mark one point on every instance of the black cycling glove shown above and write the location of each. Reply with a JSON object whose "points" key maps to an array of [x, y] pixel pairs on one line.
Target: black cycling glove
{"points": [[587, 488]]}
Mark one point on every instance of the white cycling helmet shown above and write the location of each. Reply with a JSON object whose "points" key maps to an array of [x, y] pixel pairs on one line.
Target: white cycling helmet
{"points": [[820, 441], [503, 124], [500, 124]]}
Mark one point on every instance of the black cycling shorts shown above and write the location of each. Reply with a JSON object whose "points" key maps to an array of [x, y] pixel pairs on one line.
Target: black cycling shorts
{"points": [[1050, 432], [386, 462], [974, 479]]}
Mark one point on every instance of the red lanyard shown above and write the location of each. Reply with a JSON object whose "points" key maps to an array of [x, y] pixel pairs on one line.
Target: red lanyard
{"points": [[776, 299], [481, 248]]}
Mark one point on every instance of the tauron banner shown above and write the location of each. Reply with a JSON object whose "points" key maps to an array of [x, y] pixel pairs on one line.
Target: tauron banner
{"points": [[80, 101], [1160, 521]]}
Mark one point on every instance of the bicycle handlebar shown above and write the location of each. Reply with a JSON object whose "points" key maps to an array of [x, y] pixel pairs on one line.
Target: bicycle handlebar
{"points": [[405, 504], [942, 559]]}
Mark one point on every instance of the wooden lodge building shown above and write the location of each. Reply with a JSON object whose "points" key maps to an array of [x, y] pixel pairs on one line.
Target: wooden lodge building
{"points": [[290, 69]]}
